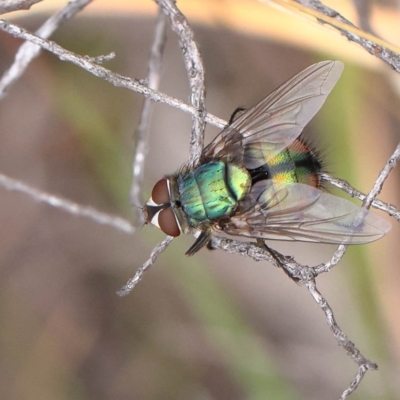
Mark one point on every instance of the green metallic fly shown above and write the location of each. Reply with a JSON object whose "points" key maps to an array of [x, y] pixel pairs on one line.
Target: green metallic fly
{"points": [[258, 179]]}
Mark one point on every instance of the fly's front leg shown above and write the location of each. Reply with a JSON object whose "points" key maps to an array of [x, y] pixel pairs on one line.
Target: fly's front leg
{"points": [[201, 241]]}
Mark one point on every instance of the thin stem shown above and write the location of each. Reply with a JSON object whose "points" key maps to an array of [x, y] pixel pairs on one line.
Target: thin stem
{"points": [[125, 290], [362, 370], [7, 6], [142, 132], [195, 70], [322, 14], [352, 351], [29, 51], [383, 175], [343, 185], [66, 205], [296, 270], [368, 200]]}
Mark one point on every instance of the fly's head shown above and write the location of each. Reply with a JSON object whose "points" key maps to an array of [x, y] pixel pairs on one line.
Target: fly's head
{"points": [[163, 209]]}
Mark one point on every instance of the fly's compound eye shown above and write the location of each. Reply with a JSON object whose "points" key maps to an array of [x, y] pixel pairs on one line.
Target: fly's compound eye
{"points": [[168, 223], [159, 211], [160, 193]]}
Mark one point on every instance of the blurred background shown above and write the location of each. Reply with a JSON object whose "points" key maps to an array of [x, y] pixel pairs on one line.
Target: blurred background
{"points": [[214, 326]]}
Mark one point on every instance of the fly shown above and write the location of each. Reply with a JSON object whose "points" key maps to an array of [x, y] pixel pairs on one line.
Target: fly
{"points": [[258, 178]]}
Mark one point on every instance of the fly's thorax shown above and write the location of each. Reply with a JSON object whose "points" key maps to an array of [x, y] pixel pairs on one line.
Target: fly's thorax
{"points": [[163, 208], [212, 191]]}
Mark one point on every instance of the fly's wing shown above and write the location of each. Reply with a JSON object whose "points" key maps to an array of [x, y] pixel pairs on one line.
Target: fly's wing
{"points": [[301, 212], [280, 118]]}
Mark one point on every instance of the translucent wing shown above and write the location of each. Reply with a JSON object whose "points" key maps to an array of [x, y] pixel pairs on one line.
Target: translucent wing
{"points": [[301, 212], [280, 118]]}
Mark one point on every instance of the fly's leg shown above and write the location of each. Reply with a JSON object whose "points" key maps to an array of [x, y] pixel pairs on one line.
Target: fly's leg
{"points": [[201, 241], [210, 246], [261, 243]]}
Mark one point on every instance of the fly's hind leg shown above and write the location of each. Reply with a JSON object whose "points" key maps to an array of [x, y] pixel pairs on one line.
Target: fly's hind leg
{"points": [[277, 257]]}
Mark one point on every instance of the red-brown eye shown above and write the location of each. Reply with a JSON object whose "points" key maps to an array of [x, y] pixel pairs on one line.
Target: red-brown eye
{"points": [[160, 193], [168, 223]]}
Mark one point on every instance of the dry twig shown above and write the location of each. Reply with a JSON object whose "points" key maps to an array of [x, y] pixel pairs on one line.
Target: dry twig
{"points": [[142, 132], [139, 273], [7, 6], [68, 206], [195, 70], [316, 11], [29, 51]]}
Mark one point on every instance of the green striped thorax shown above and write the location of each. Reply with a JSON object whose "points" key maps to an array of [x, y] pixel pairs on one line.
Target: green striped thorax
{"points": [[212, 191], [197, 197]]}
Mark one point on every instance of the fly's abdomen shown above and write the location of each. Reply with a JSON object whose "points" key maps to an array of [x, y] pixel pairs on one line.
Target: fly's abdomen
{"points": [[212, 191], [298, 163]]}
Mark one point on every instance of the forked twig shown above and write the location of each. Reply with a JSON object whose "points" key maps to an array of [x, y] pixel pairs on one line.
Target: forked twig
{"points": [[29, 51], [343, 185], [368, 201]]}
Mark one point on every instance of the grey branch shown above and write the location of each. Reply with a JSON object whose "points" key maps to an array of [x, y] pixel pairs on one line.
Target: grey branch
{"points": [[368, 201], [352, 351], [390, 209], [140, 272], [68, 206], [383, 175], [104, 73], [390, 57], [142, 132], [29, 51], [306, 276], [195, 70], [102, 58], [14, 5]]}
